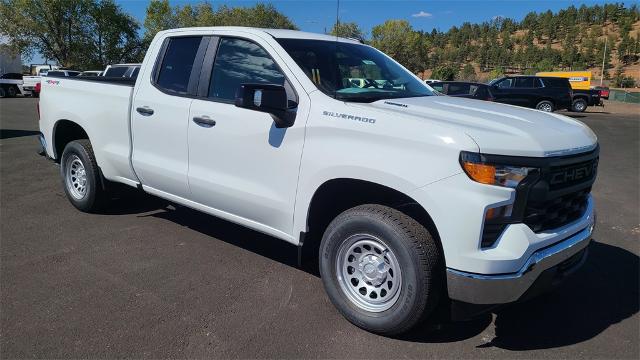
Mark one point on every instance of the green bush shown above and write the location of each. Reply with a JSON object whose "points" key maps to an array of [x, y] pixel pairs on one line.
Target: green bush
{"points": [[445, 73]]}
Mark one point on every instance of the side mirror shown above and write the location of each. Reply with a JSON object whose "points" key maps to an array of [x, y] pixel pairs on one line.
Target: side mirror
{"points": [[267, 98]]}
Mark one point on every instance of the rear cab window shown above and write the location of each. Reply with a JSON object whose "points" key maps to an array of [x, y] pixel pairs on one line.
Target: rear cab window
{"points": [[117, 71], [174, 71]]}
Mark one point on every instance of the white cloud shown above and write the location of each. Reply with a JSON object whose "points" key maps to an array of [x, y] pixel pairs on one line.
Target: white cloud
{"points": [[497, 17], [422, 14]]}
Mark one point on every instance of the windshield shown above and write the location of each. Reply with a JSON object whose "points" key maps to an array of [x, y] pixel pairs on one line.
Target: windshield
{"points": [[353, 72]]}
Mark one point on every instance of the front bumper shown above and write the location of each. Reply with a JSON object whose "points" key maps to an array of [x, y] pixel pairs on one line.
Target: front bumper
{"points": [[505, 288]]}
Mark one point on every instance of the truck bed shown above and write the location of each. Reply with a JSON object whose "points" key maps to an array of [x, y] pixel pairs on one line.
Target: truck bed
{"points": [[99, 105]]}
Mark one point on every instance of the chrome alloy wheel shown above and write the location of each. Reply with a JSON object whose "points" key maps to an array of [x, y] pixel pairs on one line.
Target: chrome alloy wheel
{"points": [[368, 273], [76, 177], [546, 107]]}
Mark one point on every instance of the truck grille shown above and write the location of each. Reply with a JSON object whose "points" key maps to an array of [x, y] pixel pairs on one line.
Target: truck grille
{"points": [[557, 212], [554, 195], [561, 194]]}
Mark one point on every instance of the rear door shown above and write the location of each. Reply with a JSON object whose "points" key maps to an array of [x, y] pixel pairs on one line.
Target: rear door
{"points": [[160, 116], [524, 91], [240, 164]]}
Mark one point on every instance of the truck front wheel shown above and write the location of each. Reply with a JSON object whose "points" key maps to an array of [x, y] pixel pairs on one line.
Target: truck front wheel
{"points": [[381, 269], [81, 176]]}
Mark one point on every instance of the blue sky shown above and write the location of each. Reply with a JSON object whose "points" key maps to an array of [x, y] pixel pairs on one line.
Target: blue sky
{"points": [[316, 15]]}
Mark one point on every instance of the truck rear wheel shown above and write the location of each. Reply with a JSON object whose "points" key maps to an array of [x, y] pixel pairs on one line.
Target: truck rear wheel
{"points": [[579, 105], [380, 268], [3, 92], [11, 91], [81, 176]]}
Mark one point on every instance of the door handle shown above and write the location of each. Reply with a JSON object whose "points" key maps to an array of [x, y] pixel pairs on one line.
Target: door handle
{"points": [[204, 121], [145, 111]]}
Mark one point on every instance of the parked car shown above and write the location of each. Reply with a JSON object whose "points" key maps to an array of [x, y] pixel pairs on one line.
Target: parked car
{"points": [[604, 91], [91, 73], [404, 198], [63, 73], [580, 81], [122, 70], [542, 93], [37, 71], [10, 84], [469, 90]]}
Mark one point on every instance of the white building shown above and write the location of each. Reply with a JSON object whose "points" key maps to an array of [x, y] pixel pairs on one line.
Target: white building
{"points": [[10, 62]]}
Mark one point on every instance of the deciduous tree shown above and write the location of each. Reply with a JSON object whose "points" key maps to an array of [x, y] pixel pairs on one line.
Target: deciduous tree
{"points": [[75, 33]]}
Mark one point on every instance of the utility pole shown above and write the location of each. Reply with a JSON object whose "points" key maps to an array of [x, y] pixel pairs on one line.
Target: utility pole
{"points": [[604, 56]]}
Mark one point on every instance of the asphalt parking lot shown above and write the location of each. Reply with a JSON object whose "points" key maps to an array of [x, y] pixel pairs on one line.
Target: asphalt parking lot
{"points": [[154, 281]]}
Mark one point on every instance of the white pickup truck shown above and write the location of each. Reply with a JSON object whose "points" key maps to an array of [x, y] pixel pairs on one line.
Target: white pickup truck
{"points": [[409, 198], [30, 82]]}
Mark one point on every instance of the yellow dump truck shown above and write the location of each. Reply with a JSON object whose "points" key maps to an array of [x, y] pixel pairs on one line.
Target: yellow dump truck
{"points": [[580, 82]]}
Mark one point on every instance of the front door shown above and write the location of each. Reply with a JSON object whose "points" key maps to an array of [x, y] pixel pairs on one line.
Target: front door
{"points": [[503, 92], [240, 164]]}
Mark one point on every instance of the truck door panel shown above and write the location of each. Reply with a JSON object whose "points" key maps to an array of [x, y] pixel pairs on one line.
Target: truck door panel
{"points": [[160, 116], [239, 162]]}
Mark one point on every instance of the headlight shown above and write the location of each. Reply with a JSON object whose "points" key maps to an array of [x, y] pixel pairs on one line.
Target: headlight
{"points": [[492, 174]]}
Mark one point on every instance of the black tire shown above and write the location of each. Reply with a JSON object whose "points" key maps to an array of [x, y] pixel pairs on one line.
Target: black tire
{"points": [[3, 92], [545, 105], [12, 91], [94, 194], [579, 105], [418, 257]]}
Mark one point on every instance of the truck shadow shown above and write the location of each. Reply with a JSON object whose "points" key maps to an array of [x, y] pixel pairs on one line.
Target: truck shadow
{"points": [[603, 293], [212, 226]]}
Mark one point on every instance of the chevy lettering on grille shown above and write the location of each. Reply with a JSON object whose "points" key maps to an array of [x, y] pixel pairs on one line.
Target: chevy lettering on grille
{"points": [[575, 174]]}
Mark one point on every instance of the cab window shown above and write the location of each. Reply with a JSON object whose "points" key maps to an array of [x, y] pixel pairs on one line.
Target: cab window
{"points": [[524, 82], [438, 86], [240, 61], [178, 60], [458, 89], [505, 83]]}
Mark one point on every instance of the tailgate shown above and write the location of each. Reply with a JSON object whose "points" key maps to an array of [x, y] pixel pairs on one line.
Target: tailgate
{"points": [[29, 82]]}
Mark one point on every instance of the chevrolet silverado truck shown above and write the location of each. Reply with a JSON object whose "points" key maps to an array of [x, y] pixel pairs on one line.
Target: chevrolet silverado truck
{"points": [[409, 200]]}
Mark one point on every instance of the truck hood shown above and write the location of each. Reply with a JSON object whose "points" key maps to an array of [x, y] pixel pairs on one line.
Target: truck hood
{"points": [[497, 128]]}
